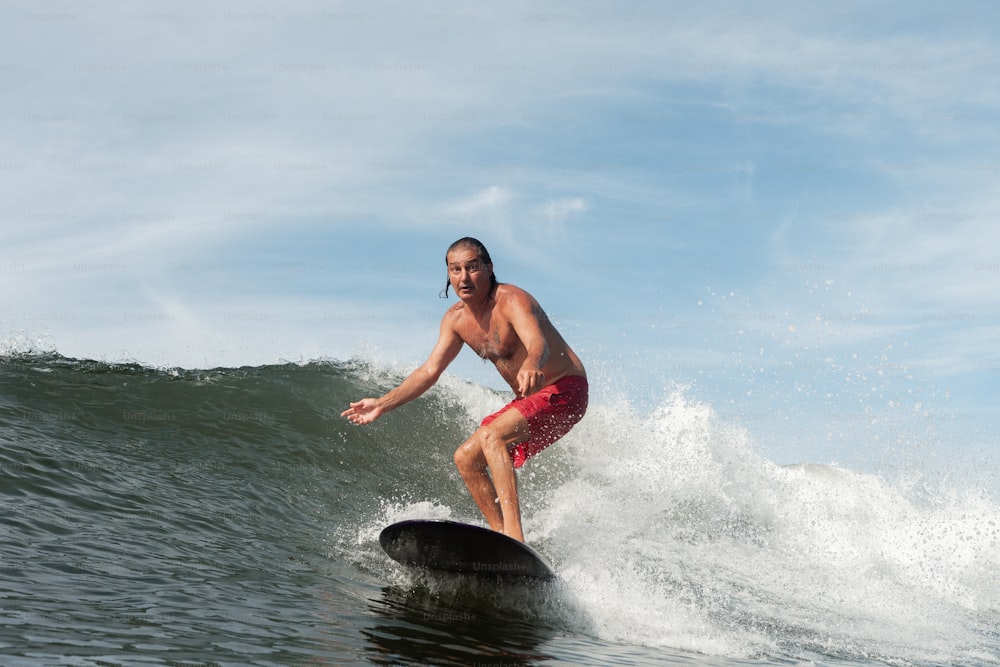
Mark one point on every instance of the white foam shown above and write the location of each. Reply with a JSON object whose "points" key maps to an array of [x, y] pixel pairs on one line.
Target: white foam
{"points": [[672, 531]]}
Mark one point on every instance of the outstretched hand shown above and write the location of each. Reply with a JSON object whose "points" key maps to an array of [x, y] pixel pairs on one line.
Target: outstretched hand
{"points": [[364, 411]]}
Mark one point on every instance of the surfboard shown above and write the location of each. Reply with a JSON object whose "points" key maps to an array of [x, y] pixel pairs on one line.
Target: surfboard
{"points": [[450, 546]]}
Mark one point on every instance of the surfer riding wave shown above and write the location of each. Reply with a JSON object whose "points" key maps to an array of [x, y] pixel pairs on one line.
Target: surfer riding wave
{"points": [[504, 324]]}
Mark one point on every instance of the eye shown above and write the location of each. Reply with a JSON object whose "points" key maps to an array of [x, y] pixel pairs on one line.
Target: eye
{"points": [[471, 267]]}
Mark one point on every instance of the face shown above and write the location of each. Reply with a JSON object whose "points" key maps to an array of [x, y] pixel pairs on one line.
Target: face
{"points": [[469, 275]]}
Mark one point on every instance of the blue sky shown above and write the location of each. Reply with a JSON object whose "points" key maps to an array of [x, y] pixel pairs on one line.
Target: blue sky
{"points": [[789, 207]]}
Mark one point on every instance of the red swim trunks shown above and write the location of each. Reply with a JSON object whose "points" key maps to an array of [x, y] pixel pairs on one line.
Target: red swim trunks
{"points": [[551, 412]]}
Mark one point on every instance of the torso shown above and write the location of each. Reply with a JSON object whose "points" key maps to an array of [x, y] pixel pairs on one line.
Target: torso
{"points": [[492, 336]]}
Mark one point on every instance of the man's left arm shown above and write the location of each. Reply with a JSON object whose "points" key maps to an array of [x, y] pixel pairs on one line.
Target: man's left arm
{"points": [[526, 317]]}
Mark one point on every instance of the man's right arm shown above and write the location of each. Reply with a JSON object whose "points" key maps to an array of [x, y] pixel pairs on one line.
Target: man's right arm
{"points": [[448, 346]]}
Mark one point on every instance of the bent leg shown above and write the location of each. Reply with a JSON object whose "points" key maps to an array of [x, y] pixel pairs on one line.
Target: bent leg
{"points": [[471, 464], [489, 447]]}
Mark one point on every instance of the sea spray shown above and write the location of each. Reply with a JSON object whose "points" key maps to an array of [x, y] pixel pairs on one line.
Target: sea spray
{"points": [[671, 530]]}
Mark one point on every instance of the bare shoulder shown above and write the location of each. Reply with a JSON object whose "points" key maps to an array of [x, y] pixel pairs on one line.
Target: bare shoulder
{"points": [[453, 314], [513, 298], [508, 292]]}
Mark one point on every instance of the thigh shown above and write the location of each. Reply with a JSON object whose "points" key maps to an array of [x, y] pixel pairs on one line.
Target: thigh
{"points": [[509, 427]]}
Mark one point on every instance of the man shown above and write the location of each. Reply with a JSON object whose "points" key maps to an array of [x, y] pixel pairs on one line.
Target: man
{"points": [[505, 325]]}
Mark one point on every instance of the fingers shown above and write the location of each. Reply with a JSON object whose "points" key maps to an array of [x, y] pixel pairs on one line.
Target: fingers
{"points": [[355, 417], [529, 382], [354, 413], [361, 412]]}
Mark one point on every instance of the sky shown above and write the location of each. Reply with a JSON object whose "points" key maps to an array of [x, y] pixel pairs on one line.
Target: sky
{"points": [[788, 209]]}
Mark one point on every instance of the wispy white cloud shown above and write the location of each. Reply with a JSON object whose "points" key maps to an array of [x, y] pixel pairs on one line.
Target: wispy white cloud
{"points": [[488, 202], [558, 211]]}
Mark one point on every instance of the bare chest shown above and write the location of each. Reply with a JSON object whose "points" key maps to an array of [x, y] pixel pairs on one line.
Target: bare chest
{"points": [[492, 339]]}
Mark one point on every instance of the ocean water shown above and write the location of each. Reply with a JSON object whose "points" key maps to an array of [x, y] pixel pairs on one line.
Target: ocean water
{"points": [[230, 517]]}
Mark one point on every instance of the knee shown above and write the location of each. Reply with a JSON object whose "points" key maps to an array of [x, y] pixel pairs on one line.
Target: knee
{"points": [[490, 446], [474, 454], [468, 456]]}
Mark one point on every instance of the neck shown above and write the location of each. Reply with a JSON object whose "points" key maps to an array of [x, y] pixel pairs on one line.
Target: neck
{"points": [[480, 304]]}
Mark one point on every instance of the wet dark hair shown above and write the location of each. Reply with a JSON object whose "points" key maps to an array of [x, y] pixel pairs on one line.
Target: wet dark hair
{"points": [[484, 257]]}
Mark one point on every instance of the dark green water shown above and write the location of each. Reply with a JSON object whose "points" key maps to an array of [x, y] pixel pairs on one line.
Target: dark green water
{"points": [[229, 516]]}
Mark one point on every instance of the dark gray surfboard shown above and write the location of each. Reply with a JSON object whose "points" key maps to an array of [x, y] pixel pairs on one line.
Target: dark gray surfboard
{"points": [[459, 547]]}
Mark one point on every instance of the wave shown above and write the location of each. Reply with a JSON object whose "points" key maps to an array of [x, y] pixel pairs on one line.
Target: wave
{"points": [[668, 528]]}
